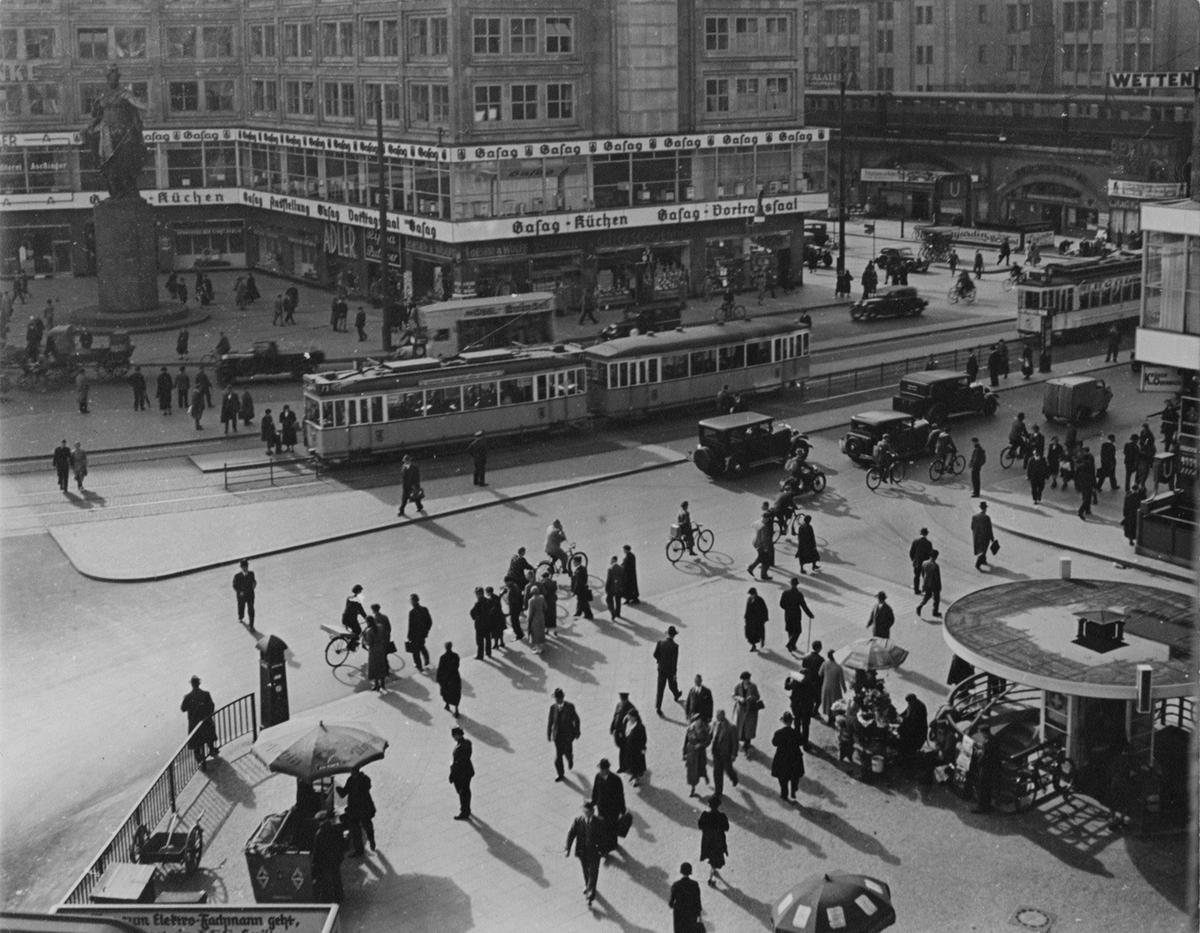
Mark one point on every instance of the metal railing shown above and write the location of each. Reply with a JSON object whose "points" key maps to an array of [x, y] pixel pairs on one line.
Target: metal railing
{"points": [[972, 697], [250, 473], [233, 720], [1176, 711]]}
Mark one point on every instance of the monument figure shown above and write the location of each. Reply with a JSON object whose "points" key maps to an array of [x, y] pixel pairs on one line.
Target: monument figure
{"points": [[115, 137]]}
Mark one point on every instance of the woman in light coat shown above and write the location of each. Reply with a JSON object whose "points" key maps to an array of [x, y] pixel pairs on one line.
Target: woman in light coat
{"points": [[833, 685], [536, 619], [746, 701], [695, 752]]}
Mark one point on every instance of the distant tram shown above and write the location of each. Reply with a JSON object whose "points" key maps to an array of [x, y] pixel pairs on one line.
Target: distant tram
{"points": [[1080, 299]]}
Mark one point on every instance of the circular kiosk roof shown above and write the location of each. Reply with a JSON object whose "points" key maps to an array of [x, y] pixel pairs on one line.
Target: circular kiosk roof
{"points": [[1028, 632]]}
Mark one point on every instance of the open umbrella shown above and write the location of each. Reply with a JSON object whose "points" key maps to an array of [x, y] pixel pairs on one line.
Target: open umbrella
{"points": [[835, 903], [309, 751], [870, 654]]}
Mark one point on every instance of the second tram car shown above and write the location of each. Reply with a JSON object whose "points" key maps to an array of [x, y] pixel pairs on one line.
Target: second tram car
{"points": [[1080, 299]]}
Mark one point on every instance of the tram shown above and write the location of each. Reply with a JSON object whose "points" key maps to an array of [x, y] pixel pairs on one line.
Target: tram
{"points": [[1079, 299]]}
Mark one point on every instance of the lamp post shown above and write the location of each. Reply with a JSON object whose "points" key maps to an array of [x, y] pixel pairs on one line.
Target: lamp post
{"points": [[841, 259], [386, 293]]}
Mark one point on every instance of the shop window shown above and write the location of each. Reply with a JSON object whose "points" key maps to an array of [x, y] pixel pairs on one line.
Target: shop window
{"points": [[217, 41], [39, 43], [560, 35], [516, 391], [524, 99], [92, 43], [716, 33], [297, 40], [381, 38], [262, 40], [483, 395], [427, 36], [43, 99], [443, 401], [487, 103], [300, 98], [337, 39], [263, 170], [560, 101], [403, 405], [181, 42], [264, 96], [48, 170], [675, 366], [703, 361], [487, 35], [185, 167], [301, 174], [184, 96], [758, 354], [218, 96], [220, 165]]}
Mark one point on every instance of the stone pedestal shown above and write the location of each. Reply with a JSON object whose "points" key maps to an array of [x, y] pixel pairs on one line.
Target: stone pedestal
{"points": [[126, 255]]}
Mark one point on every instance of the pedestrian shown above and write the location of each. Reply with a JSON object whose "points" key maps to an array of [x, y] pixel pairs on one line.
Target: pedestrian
{"points": [[246, 409], [870, 278], [204, 384], [162, 391], [478, 452], [882, 618], [976, 462], [931, 584], [1036, 472], [763, 543], [223, 345], [359, 814], [713, 847], [972, 366], [378, 638], [1004, 254], [79, 465], [196, 408], [288, 429], [982, 537], [82, 391], [1085, 482], [666, 657], [360, 323], [952, 262], [1129, 513], [333, 312], [1130, 451], [1055, 453], [1169, 425], [518, 566], [1108, 462], [806, 545], [633, 751], [277, 315], [461, 772], [724, 400], [181, 341], [562, 728], [794, 609], [410, 485], [1037, 441], [328, 848], [449, 679], [918, 553], [202, 733], [482, 625], [804, 695], [695, 752], [629, 569], [978, 264], [535, 618], [495, 611], [244, 586], [755, 620], [586, 834], [1113, 344], [833, 685], [62, 464], [267, 432], [614, 587], [183, 386], [516, 604], [684, 901], [291, 300], [580, 590], [987, 762], [747, 703], [724, 752], [1003, 348], [1027, 361], [994, 364], [587, 305], [699, 700], [616, 725], [1146, 452], [787, 766], [137, 382], [420, 624], [913, 728], [608, 794]]}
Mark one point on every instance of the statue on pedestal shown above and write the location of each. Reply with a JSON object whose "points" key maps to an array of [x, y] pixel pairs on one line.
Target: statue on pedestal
{"points": [[115, 137]]}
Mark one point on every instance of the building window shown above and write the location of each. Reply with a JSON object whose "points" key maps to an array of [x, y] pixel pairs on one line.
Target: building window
{"points": [[982, 56], [745, 34], [524, 99], [297, 40], [1082, 58], [9, 39], [1068, 21], [439, 103], [885, 40], [560, 101], [1012, 17], [1012, 58], [418, 104], [43, 99], [90, 93], [337, 39], [39, 43], [716, 33], [10, 100], [264, 96], [217, 41], [779, 95], [339, 99], [184, 96], [92, 43], [372, 90], [262, 40], [522, 35], [427, 36], [884, 10], [299, 98], [218, 96], [381, 38], [983, 13], [487, 35], [181, 42], [885, 78], [1068, 58], [487, 103], [560, 32], [1081, 16], [716, 95]]}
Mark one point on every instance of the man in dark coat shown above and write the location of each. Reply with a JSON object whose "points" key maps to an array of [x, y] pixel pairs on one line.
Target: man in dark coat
{"points": [[581, 591], [461, 772], [410, 485], [806, 545], [449, 679], [755, 620], [931, 584], [666, 656], [229, 410], [629, 568], [183, 387], [914, 726], [198, 704], [1129, 513], [995, 365], [616, 726], [420, 624], [1130, 450], [137, 382], [724, 751], [977, 460], [882, 618], [327, 851], [244, 586], [478, 452], [685, 902], [163, 388], [587, 834], [1036, 471], [918, 553], [518, 566], [981, 535], [699, 700], [794, 610], [62, 464], [481, 620], [988, 772], [608, 794], [360, 810], [764, 543], [495, 612], [1108, 462], [614, 587], [972, 366], [805, 697], [1085, 482], [787, 766], [204, 384], [562, 728]]}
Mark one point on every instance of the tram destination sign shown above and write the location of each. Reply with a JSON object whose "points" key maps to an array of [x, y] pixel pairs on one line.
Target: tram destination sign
{"points": [[1151, 80]]}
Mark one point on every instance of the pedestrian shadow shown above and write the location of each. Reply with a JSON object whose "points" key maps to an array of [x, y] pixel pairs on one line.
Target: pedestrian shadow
{"points": [[524, 673], [641, 827], [643, 632], [658, 614], [574, 660], [430, 902], [94, 498], [760, 910], [1007, 574], [613, 914], [507, 851], [653, 878], [414, 712], [485, 734], [831, 505], [917, 679], [614, 630], [408, 686], [431, 526], [670, 805], [851, 835], [745, 813]]}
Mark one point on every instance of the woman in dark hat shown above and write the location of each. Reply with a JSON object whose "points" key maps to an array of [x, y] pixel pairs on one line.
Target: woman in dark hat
{"points": [[713, 848], [788, 764]]}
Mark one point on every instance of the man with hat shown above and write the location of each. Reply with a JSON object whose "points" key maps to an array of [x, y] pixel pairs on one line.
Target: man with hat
{"points": [[787, 766], [981, 536], [410, 479], [882, 618], [608, 794], [461, 772], [586, 834], [685, 901], [244, 585], [616, 727], [198, 704], [666, 654], [562, 728], [478, 451]]}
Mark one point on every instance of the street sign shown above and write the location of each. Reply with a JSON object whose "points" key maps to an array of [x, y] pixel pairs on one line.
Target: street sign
{"points": [[1160, 378], [1150, 80]]}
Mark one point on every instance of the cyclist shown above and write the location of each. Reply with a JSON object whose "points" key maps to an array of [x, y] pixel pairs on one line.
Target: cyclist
{"points": [[1015, 273], [727, 302], [1018, 438], [352, 612], [885, 458], [800, 446], [785, 503], [964, 286], [555, 536], [944, 449], [684, 521]]}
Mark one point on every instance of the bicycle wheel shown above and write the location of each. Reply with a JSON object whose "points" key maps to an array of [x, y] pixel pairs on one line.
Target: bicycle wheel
{"points": [[704, 540], [337, 651], [580, 556], [936, 470], [873, 478], [675, 550], [970, 296], [1006, 457], [960, 464]]}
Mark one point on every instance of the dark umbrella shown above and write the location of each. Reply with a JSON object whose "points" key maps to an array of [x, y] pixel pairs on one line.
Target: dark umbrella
{"points": [[308, 751], [835, 903], [870, 654]]}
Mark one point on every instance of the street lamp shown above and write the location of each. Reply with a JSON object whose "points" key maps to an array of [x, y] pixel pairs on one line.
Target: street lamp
{"points": [[841, 260], [386, 293]]}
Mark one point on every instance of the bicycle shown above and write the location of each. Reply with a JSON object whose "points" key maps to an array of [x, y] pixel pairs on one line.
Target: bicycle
{"points": [[1011, 453], [956, 292], [939, 466], [546, 567], [897, 473], [702, 538], [1049, 768], [342, 644], [1012, 281], [728, 311]]}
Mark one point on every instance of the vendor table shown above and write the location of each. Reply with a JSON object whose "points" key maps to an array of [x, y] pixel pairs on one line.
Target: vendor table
{"points": [[125, 883]]}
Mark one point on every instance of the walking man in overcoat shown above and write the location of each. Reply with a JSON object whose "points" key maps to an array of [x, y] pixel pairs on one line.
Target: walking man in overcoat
{"points": [[198, 704], [666, 656], [981, 536], [478, 451], [360, 810], [244, 586], [882, 618], [586, 834], [608, 794], [918, 553], [461, 772], [978, 459], [931, 581], [449, 678], [794, 608], [62, 465], [724, 752], [562, 728]]}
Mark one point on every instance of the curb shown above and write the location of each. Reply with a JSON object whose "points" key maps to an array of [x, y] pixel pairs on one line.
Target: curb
{"points": [[1136, 564]]}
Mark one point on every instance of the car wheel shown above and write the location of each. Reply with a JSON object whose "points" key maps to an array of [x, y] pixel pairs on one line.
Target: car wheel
{"points": [[707, 461], [853, 448], [736, 465], [855, 315], [990, 405]]}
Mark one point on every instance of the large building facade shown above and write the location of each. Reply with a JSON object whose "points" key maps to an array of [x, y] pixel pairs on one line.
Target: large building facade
{"points": [[625, 148]]}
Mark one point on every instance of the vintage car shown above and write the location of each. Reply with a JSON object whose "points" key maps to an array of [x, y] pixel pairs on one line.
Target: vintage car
{"points": [[266, 359], [896, 301], [729, 445], [70, 347], [1075, 399], [646, 319], [938, 394], [904, 256], [817, 232], [909, 436]]}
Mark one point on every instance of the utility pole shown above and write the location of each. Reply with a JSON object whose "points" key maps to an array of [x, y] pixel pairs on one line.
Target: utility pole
{"points": [[386, 293], [841, 258]]}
